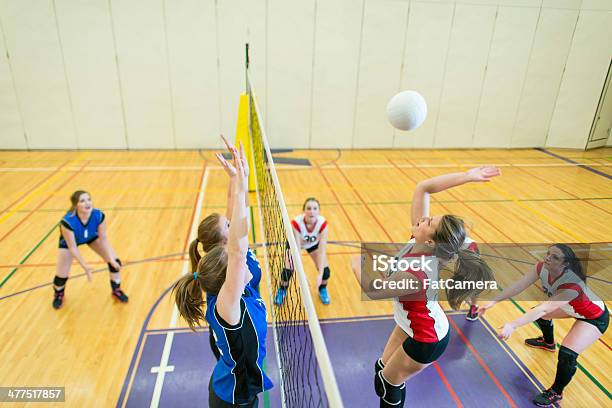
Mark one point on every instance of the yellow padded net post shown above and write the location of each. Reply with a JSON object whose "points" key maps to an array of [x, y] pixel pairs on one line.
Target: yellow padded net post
{"points": [[242, 135]]}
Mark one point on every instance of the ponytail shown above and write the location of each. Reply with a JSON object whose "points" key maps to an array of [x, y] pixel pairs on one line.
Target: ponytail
{"points": [[194, 255], [207, 276], [189, 300], [469, 267]]}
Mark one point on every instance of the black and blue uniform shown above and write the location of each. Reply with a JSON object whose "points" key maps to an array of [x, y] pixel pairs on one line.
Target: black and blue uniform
{"points": [[83, 233], [255, 269], [238, 376]]}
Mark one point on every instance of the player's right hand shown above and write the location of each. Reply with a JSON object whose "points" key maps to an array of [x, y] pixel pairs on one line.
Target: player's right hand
{"points": [[89, 272]]}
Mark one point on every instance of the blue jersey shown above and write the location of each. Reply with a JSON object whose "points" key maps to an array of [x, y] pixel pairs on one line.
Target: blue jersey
{"points": [[238, 375], [83, 233], [254, 268]]}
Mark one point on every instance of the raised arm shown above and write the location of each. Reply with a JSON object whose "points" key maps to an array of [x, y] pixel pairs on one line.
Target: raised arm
{"points": [[517, 287], [228, 299], [420, 197]]}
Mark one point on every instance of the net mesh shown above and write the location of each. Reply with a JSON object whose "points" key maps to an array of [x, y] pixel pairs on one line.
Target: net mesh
{"points": [[302, 385]]}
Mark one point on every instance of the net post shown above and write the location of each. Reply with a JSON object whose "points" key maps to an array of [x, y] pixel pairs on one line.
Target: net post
{"points": [[329, 380]]}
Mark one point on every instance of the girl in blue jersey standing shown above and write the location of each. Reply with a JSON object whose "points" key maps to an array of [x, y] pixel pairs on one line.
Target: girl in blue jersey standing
{"points": [[84, 224], [235, 312], [214, 230]]}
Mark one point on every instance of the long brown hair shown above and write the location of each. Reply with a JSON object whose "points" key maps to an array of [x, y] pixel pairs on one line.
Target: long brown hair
{"points": [[449, 238], [209, 276], [74, 199], [209, 235]]}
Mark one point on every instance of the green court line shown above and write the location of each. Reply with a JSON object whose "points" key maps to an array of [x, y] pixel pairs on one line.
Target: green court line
{"points": [[584, 370], [25, 258]]}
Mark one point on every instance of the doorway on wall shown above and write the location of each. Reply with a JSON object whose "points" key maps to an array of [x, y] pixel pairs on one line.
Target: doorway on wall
{"points": [[602, 122]]}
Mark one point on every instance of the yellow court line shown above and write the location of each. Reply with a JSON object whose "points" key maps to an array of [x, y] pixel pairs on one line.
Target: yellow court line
{"points": [[35, 192], [525, 206], [494, 335]]}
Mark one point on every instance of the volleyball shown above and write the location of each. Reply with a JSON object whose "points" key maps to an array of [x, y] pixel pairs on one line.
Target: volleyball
{"points": [[407, 110]]}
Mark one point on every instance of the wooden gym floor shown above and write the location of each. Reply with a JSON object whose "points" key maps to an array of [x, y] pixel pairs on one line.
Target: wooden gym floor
{"points": [[150, 200]]}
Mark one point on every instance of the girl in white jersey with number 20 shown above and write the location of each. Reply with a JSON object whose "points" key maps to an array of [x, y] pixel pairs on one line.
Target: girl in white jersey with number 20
{"points": [[310, 230]]}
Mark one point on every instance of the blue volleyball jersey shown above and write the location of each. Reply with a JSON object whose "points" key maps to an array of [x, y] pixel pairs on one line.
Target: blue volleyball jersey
{"points": [[239, 375], [254, 268], [83, 233]]}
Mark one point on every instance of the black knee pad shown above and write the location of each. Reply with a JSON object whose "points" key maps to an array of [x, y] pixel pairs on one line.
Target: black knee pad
{"points": [[568, 357], [326, 273], [59, 282], [544, 323], [110, 267], [390, 395], [286, 275]]}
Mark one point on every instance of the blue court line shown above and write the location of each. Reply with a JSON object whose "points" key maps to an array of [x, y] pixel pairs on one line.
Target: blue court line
{"points": [[592, 170]]}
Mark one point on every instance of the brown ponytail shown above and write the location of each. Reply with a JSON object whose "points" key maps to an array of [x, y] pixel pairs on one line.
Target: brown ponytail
{"points": [[469, 267], [449, 238], [194, 255], [188, 290]]}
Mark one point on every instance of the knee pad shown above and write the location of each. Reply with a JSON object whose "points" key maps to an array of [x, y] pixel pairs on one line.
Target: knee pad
{"points": [[326, 273], [568, 357], [59, 282], [110, 267], [286, 275], [544, 323], [390, 395]]}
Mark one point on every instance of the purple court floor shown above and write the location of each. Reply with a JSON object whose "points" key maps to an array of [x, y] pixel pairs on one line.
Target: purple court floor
{"points": [[475, 371]]}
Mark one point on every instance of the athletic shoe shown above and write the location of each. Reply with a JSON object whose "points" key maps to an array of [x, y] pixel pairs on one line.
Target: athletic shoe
{"points": [[472, 314], [324, 296], [119, 295], [280, 296], [539, 342], [58, 300], [547, 398]]}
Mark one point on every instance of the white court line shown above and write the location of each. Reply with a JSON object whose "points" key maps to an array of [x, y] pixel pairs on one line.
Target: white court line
{"points": [[163, 367], [287, 167]]}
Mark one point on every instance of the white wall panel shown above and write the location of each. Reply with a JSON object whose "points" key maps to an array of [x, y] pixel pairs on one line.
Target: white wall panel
{"points": [[257, 37], [596, 5], [38, 71], [424, 63], [505, 75], [192, 50], [548, 56], [584, 77], [384, 30], [465, 67], [232, 31], [290, 52], [89, 56], [336, 59], [11, 128], [562, 4], [143, 69]]}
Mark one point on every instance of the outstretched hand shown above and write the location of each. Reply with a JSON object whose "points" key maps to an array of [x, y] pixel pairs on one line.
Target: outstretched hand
{"points": [[483, 173]]}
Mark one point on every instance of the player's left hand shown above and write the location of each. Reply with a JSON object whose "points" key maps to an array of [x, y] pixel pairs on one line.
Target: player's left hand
{"points": [[506, 331], [483, 173]]}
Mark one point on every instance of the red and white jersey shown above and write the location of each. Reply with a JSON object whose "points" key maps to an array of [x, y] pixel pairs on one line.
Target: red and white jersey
{"points": [[586, 305], [309, 237], [422, 318]]}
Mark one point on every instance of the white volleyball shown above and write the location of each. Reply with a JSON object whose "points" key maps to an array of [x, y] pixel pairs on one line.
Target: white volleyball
{"points": [[407, 110]]}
